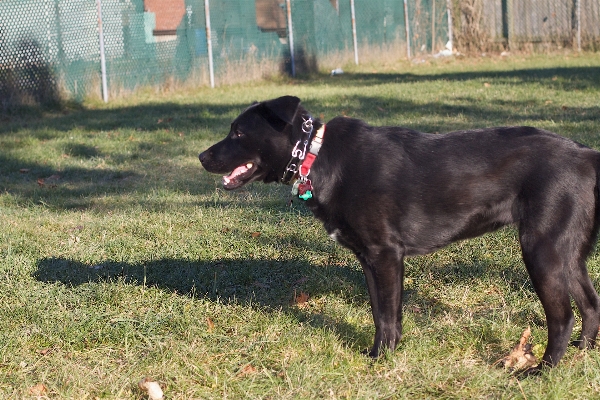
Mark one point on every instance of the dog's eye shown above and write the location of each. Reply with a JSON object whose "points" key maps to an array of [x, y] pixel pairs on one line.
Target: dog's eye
{"points": [[238, 134]]}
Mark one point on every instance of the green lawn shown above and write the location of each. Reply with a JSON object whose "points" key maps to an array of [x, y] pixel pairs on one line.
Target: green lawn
{"points": [[120, 257]]}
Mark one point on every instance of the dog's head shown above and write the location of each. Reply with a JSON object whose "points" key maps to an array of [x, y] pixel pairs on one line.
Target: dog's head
{"points": [[258, 145]]}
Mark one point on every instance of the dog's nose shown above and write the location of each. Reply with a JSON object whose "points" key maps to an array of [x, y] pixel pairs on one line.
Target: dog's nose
{"points": [[204, 156]]}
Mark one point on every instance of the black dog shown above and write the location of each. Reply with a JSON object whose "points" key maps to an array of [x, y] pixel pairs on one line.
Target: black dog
{"points": [[391, 192]]}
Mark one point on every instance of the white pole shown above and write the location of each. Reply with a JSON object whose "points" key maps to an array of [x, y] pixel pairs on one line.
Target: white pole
{"points": [[211, 69], [450, 35], [355, 42], [407, 30], [288, 6], [433, 27], [102, 55], [578, 25]]}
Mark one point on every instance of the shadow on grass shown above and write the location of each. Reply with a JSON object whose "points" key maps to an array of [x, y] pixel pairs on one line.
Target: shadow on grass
{"points": [[563, 78], [157, 116], [269, 284], [142, 118], [141, 168], [67, 188], [273, 285]]}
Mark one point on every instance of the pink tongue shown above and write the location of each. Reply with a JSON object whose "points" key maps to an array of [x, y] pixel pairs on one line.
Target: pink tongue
{"points": [[238, 171]]}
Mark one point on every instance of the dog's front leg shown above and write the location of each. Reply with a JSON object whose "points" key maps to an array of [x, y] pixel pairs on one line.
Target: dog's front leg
{"points": [[384, 273]]}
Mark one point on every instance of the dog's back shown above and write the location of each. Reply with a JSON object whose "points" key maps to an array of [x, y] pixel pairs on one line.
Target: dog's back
{"points": [[436, 189]]}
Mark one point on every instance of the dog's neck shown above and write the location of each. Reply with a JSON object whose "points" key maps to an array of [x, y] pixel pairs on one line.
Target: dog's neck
{"points": [[309, 142]]}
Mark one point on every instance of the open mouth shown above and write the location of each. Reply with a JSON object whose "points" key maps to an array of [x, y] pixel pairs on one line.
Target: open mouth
{"points": [[239, 176]]}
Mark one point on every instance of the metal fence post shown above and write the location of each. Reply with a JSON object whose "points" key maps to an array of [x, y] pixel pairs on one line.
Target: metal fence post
{"points": [[211, 70], [288, 7], [450, 34], [510, 22], [102, 55], [354, 40], [407, 30], [433, 27], [578, 16]]}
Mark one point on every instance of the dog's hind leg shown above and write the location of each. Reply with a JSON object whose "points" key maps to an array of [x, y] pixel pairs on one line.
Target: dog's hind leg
{"points": [[384, 273], [580, 285], [585, 296], [548, 273]]}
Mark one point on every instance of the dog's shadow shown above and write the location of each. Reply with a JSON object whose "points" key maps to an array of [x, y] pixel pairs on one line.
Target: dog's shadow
{"points": [[271, 285], [267, 283]]}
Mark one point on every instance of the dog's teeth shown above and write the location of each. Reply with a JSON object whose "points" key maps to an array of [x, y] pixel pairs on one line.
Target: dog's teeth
{"points": [[226, 179], [249, 165]]}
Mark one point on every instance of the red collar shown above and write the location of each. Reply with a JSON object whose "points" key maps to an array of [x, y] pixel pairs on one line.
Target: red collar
{"points": [[313, 151], [303, 186]]}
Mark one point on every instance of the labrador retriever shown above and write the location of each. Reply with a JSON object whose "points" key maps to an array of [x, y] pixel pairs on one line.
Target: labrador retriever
{"points": [[388, 193]]}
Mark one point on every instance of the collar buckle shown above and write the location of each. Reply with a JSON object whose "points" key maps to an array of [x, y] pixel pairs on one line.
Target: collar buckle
{"points": [[299, 151]]}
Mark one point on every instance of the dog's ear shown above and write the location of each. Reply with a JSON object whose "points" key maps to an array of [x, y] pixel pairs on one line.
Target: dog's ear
{"points": [[284, 108]]}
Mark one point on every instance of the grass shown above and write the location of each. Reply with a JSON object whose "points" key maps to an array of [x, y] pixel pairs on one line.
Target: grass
{"points": [[121, 258]]}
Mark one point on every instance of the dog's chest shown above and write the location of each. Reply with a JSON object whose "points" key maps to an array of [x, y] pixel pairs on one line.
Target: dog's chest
{"points": [[335, 234]]}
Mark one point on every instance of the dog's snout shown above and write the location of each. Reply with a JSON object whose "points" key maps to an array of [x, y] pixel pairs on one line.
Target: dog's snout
{"points": [[205, 155]]}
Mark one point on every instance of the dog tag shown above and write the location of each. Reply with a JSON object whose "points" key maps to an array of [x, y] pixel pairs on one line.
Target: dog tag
{"points": [[305, 190], [304, 187], [307, 195]]}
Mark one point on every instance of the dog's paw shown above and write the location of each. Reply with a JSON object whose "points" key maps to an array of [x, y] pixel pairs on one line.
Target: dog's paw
{"points": [[372, 353]]}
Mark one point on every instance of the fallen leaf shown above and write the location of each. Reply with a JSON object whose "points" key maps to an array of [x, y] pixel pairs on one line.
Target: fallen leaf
{"points": [[152, 388], [548, 102], [565, 107], [521, 357], [40, 182], [210, 324], [415, 309], [38, 390], [247, 370], [255, 234], [486, 84], [43, 352], [24, 170], [301, 299]]}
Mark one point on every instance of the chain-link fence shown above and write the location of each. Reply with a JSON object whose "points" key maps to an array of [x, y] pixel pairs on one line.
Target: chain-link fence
{"points": [[51, 49]]}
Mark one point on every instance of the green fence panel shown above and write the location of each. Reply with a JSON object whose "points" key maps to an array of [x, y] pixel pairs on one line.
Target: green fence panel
{"points": [[50, 48]]}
